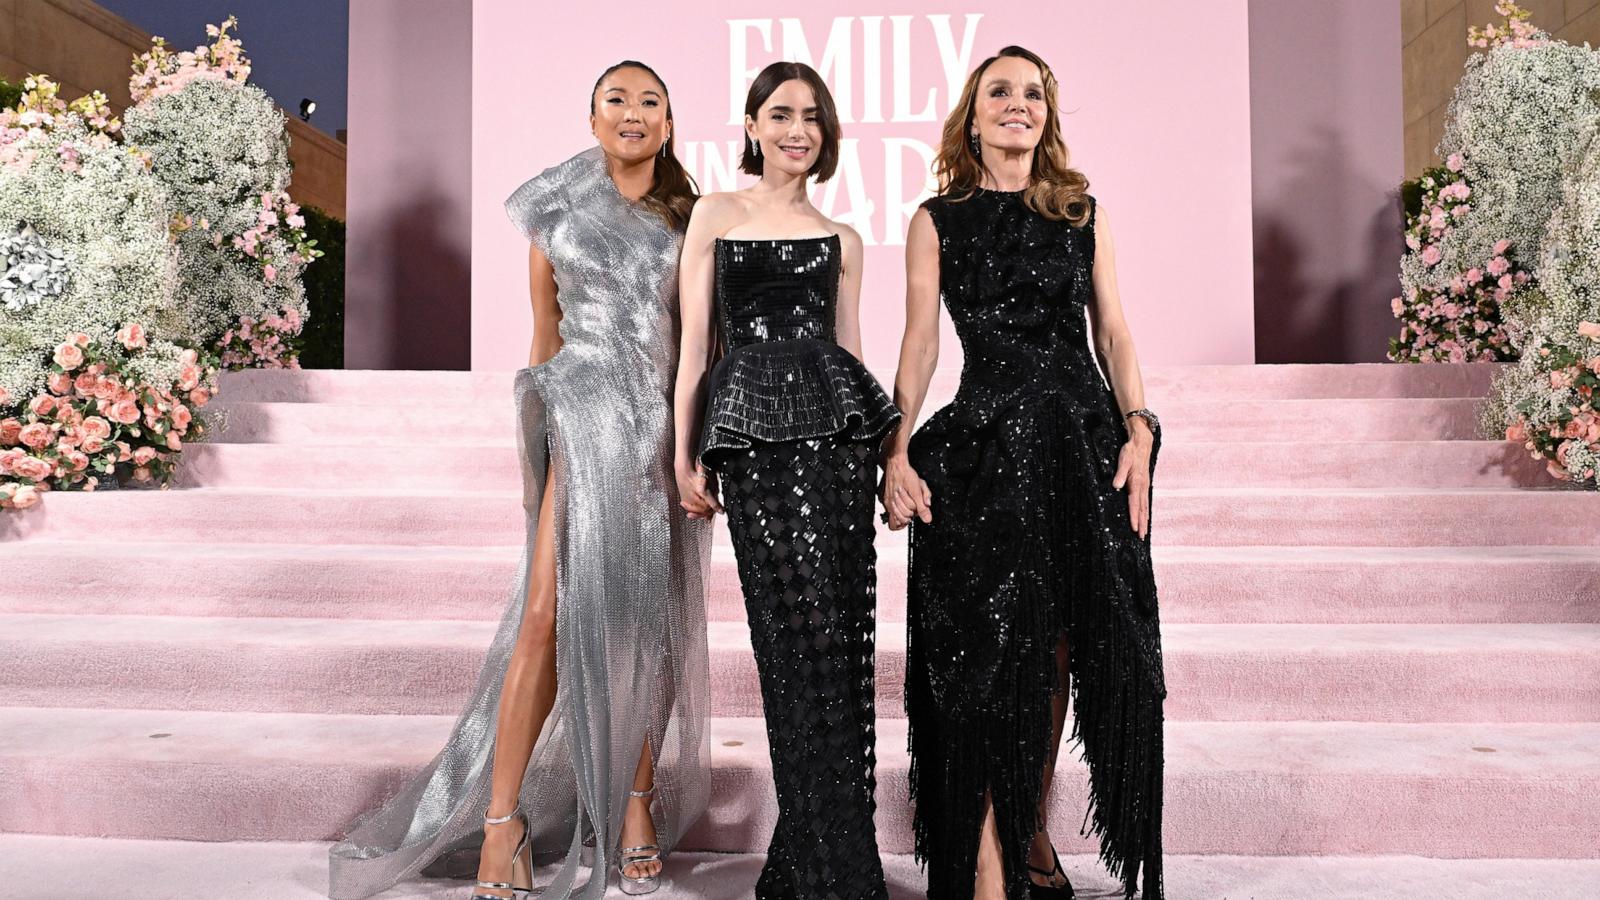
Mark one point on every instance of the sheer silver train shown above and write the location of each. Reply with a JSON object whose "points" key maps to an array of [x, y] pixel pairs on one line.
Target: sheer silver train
{"points": [[630, 612]]}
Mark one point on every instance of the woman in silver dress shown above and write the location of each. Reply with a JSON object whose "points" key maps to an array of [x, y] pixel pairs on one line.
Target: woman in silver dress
{"points": [[587, 724]]}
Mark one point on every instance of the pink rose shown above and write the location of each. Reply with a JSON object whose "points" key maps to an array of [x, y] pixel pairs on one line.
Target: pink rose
{"points": [[124, 451], [143, 455], [181, 417], [10, 429], [1455, 162], [199, 397], [1474, 275], [42, 405], [1501, 246], [93, 445], [69, 356], [1504, 282], [1516, 432], [5, 396], [76, 460], [27, 495], [188, 357], [173, 441], [132, 336], [188, 378], [81, 339], [96, 427], [271, 272], [1590, 330], [125, 412], [31, 468], [142, 474], [1397, 306], [1431, 255], [1499, 266], [36, 435], [60, 383]]}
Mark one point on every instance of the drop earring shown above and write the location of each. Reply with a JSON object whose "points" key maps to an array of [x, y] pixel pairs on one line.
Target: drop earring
{"points": [[755, 147], [664, 145], [977, 147]]}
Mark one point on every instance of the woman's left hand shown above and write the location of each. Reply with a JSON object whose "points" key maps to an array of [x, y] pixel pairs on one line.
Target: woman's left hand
{"points": [[1133, 471]]}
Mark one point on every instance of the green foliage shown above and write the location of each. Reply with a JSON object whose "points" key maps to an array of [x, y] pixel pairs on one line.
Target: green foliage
{"points": [[10, 94], [1411, 191], [322, 340]]}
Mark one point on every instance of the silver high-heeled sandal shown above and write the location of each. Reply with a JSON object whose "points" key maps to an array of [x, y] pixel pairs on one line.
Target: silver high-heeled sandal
{"points": [[634, 885], [521, 883]]}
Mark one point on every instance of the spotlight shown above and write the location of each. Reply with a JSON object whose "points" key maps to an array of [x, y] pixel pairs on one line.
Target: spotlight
{"points": [[307, 107]]}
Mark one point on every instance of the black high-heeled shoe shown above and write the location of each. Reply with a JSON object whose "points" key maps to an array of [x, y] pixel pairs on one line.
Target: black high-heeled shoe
{"points": [[1038, 891]]}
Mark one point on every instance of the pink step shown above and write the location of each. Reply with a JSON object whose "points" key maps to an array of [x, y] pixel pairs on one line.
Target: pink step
{"points": [[1488, 790], [1198, 584], [1399, 673], [1208, 419], [1164, 382], [289, 870], [1474, 464], [1183, 517]]}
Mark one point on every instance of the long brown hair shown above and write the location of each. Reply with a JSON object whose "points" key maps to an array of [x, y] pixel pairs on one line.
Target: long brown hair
{"points": [[1055, 189], [768, 81], [672, 191]]}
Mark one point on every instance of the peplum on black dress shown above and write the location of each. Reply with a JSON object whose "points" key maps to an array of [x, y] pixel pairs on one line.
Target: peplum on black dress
{"points": [[793, 425], [1028, 541]]}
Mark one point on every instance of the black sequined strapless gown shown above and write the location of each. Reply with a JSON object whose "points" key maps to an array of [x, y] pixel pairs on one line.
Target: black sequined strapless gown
{"points": [[1028, 541], [793, 424]]}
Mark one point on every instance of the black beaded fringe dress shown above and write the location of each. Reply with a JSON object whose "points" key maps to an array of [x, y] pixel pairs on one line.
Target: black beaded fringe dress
{"points": [[793, 424], [1028, 541]]}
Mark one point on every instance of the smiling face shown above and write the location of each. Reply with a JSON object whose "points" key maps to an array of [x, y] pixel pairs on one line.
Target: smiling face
{"points": [[630, 118], [788, 128], [1010, 109]]}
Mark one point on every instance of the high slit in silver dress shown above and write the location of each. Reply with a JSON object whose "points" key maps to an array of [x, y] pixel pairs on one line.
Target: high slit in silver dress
{"points": [[630, 612]]}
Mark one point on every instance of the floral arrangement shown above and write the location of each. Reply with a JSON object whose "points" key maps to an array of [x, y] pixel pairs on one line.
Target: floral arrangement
{"points": [[1511, 126], [1547, 401], [220, 148], [99, 419], [176, 218], [84, 228]]}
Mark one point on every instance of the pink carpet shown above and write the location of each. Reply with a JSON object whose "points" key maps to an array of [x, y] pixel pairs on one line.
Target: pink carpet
{"points": [[1383, 645]]}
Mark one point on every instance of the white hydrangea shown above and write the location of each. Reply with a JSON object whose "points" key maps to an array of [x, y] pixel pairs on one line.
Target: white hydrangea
{"points": [[219, 146], [97, 204]]}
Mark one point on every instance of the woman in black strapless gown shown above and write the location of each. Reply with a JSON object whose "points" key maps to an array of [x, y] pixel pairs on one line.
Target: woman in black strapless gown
{"points": [[1029, 503], [792, 426]]}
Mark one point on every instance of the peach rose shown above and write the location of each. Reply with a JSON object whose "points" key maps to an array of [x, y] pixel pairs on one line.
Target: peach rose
{"points": [[36, 435], [199, 397], [143, 455], [181, 417], [9, 430], [77, 460], [96, 427], [85, 384], [69, 356], [124, 451], [189, 378], [125, 412], [32, 468], [132, 336], [1590, 330], [26, 496], [59, 383], [5, 396], [81, 339], [8, 458], [188, 357], [42, 405], [173, 441], [141, 474], [93, 445]]}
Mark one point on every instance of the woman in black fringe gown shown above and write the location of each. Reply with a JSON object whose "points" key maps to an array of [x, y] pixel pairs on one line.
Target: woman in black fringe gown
{"points": [[793, 425], [1029, 503]]}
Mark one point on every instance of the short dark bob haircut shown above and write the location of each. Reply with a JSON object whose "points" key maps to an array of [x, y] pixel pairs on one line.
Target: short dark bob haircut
{"points": [[827, 117]]}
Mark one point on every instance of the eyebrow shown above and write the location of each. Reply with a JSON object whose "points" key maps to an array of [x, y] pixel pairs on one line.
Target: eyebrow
{"points": [[1007, 82], [790, 109], [645, 91]]}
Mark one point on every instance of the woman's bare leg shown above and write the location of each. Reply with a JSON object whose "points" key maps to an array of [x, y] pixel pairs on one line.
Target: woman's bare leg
{"points": [[1041, 856], [525, 700], [638, 829], [990, 883]]}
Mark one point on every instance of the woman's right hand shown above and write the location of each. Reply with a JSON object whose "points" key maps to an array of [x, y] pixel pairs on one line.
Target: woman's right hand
{"points": [[905, 494], [697, 491]]}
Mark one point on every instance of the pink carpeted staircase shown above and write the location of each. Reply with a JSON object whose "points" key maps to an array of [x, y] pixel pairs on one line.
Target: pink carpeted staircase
{"points": [[1383, 635]]}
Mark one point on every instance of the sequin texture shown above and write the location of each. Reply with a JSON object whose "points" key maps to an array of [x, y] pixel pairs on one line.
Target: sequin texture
{"points": [[1028, 541], [793, 428], [631, 658]]}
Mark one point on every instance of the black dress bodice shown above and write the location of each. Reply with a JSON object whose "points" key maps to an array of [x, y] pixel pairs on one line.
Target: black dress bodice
{"points": [[782, 377]]}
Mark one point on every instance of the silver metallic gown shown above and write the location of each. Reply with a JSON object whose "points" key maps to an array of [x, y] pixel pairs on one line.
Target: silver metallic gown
{"points": [[630, 613]]}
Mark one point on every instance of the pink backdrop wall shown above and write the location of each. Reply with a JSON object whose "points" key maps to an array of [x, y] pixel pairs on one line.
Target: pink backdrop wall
{"points": [[1329, 154], [408, 249], [1156, 102]]}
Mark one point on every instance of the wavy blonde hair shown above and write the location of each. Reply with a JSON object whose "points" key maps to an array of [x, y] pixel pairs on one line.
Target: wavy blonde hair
{"points": [[1055, 189]]}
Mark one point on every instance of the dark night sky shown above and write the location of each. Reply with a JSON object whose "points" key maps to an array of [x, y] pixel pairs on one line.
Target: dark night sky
{"points": [[297, 48]]}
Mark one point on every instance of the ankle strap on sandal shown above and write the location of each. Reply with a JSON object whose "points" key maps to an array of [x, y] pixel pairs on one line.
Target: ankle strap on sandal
{"points": [[501, 820]]}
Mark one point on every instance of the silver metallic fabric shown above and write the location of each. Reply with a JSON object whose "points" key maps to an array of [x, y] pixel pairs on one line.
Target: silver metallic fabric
{"points": [[630, 567]]}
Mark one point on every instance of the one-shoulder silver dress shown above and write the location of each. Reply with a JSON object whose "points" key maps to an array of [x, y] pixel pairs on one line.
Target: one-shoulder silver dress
{"points": [[630, 612]]}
